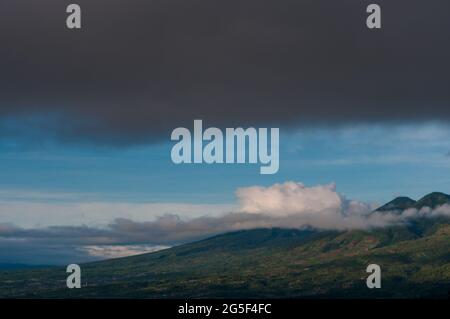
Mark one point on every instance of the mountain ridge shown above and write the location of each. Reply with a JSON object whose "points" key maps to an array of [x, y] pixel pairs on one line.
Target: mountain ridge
{"points": [[433, 200], [266, 263], [401, 203]]}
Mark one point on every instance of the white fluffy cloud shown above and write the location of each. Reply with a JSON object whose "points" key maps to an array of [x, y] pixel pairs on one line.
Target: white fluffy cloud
{"points": [[295, 205], [287, 199]]}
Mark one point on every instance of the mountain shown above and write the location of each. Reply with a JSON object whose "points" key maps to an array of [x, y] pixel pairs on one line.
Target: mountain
{"points": [[398, 204], [266, 263], [431, 200]]}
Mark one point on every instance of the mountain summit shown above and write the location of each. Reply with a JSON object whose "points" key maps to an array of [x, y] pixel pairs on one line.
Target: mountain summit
{"points": [[433, 200], [400, 204]]}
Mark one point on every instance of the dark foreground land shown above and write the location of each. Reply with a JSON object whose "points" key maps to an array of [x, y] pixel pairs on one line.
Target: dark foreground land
{"points": [[269, 263], [264, 263]]}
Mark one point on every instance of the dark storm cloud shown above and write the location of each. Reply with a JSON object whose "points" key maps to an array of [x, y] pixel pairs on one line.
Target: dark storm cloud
{"points": [[138, 69]]}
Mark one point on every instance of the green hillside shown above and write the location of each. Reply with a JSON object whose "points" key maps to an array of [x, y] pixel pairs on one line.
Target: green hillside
{"points": [[264, 263], [275, 263]]}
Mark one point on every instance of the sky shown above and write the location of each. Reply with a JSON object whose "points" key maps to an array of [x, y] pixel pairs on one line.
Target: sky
{"points": [[388, 160], [62, 203], [86, 117]]}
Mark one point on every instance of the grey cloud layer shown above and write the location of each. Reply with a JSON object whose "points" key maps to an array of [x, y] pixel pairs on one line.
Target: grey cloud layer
{"points": [[170, 229], [287, 205], [138, 69]]}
